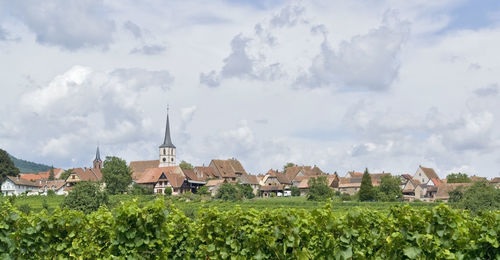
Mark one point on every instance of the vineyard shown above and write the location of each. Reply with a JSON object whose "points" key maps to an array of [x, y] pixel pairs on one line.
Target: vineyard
{"points": [[159, 230]]}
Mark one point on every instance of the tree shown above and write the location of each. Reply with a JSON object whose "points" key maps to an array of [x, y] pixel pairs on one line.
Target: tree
{"points": [[85, 196], [228, 191], [246, 190], [7, 167], [65, 174], [290, 164], [51, 173], [480, 196], [366, 190], [168, 191], [458, 178], [185, 165], [295, 191], [318, 189], [389, 189], [140, 190], [203, 191], [116, 174]]}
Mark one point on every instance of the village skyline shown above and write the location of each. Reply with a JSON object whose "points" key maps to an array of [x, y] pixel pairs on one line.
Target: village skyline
{"points": [[342, 85]]}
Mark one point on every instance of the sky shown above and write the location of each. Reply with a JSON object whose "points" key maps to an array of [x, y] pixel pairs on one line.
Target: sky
{"points": [[345, 85]]}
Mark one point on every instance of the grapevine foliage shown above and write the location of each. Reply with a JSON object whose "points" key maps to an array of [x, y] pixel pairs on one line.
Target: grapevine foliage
{"points": [[156, 231]]}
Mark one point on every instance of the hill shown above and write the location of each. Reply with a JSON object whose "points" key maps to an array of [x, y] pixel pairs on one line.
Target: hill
{"points": [[28, 167]]}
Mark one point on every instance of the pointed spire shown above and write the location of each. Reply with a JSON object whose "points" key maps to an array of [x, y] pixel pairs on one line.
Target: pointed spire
{"points": [[167, 142], [97, 155]]}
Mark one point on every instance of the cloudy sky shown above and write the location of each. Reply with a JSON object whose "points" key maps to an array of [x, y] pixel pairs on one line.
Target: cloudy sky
{"points": [[387, 85]]}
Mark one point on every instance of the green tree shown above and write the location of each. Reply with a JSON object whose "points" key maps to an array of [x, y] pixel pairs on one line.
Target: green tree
{"points": [[290, 164], [116, 174], [203, 191], [140, 190], [7, 167], [366, 190], [51, 174], [389, 189], [246, 190], [86, 197], [65, 174], [295, 191], [229, 192], [185, 165], [458, 178], [480, 196], [318, 189], [168, 191]]}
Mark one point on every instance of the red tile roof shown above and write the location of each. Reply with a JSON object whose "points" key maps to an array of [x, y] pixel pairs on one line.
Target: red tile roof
{"points": [[24, 182], [138, 167]]}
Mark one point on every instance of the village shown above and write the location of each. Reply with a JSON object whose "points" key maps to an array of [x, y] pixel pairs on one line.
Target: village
{"points": [[164, 174]]}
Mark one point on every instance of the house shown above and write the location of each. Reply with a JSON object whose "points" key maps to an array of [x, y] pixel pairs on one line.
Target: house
{"points": [[86, 174], [424, 174], [331, 180], [410, 191], [161, 178], [16, 186], [404, 178], [83, 174], [56, 185], [295, 174], [353, 174], [349, 185], [252, 180], [194, 182], [214, 185], [227, 169], [271, 190], [34, 176], [274, 177], [475, 178], [443, 190]]}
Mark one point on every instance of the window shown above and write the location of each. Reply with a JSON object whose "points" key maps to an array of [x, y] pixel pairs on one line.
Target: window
{"points": [[172, 159], [164, 159]]}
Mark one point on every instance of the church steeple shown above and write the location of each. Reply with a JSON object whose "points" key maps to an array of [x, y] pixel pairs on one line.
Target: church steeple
{"points": [[97, 160], [167, 149], [167, 142]]}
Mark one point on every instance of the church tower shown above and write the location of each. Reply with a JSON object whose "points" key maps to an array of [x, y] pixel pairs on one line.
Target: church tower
{"points": [[97, 160], [167, 149]]}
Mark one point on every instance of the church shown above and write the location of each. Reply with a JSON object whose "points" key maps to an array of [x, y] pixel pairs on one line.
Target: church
{"points": [[164, 173]]}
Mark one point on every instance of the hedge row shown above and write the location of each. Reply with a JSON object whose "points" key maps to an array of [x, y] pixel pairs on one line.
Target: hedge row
{"points": [[157, 231]]}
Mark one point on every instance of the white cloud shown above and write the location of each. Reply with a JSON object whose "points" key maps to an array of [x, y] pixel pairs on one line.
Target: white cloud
{"points": [[153, 49], [70, 24], [365, 62]]}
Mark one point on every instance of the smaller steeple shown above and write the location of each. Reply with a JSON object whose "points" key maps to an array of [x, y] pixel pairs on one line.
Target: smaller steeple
{"points": [[97, 160]]}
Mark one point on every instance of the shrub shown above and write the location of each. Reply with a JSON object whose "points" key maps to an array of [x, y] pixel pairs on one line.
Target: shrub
{"points": [[295, 191], [318, 189], [86, 196], [203, 191], [228, 191], [168, 191], [140, 190]]}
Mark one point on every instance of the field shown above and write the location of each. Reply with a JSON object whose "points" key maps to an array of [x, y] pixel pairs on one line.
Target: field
{"points": [[190, 208]]}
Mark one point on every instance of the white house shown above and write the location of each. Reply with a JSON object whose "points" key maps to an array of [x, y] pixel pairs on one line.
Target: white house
{"points": [[16, 186]]}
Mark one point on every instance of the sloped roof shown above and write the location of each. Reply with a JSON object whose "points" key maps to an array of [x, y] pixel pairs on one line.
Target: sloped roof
{"points": [[354, 174], [34, 176], [167, 142], [138, 167], [249, 179], [443, 190], [190, 175], [152, 175], [55, 184], [175, 179], [377, 177], [228, 168], [211, 183], [280, 176], [272, 188], [21, 181], [304, 184], [429, 172], [205, 172], [345, 182], [88, 174], [292, 171]]}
